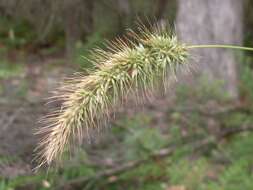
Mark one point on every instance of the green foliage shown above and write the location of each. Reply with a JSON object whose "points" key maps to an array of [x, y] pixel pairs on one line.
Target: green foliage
{"points": [[8, 70], [189, 174], [238, 174], [72, 172], [149, 176], [15, 33], [237, 119], [240, 148], [203, 92], [199, 172], [246, 85], [142, 139], [3, 185]]}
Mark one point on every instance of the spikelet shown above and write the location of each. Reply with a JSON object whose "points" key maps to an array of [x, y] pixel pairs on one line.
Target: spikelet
{"points": [[126, 65]]}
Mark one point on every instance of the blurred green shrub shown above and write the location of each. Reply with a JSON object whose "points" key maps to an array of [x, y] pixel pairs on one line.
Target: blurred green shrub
{"points": [[16, 33]]}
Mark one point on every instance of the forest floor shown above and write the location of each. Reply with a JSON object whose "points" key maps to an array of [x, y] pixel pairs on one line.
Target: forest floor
{"points": [[197, 130], [23, 94]]}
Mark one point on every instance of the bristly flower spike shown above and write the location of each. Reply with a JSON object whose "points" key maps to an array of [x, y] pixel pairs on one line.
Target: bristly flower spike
{"points": [[126, 66]]}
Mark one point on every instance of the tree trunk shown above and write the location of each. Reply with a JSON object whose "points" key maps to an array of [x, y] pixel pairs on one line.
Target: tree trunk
{"points": [[78, 22], [160, 9], [211, 22], [124, 6], [72, 14], [124, 14]]}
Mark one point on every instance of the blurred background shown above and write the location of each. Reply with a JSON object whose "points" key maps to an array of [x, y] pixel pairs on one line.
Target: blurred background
{"points": [[198, 136]]}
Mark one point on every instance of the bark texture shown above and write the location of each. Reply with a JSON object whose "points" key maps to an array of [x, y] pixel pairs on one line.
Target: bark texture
{"points": [[77, 21], [211, 22], [72, 28]]}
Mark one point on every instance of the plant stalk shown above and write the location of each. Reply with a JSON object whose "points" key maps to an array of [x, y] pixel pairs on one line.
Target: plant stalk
{"points": [[221, 46]]}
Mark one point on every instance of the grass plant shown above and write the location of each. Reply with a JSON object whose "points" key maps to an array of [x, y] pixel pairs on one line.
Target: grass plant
{"points": [[133, 64]]}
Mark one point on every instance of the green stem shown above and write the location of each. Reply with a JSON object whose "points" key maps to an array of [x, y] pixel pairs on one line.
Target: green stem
{"points": [[221, 46]]}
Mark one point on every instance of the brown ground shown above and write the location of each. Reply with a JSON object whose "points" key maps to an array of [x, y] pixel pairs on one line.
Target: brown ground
{"points": [[22, 103]]}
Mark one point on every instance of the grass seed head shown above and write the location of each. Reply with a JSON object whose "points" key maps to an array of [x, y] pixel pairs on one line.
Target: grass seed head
{"points": [[126, 65]]}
